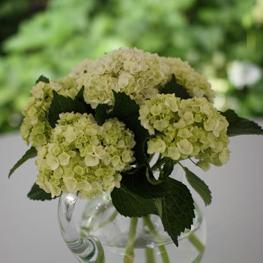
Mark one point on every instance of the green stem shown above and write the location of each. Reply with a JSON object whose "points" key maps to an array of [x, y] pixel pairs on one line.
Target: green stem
{"points": [[101, 255], [101, 209], [158, 163], [109, 220], [198, 258], [85, 229], [149, 255], [194, 240], [129, 250], [164, 255]]}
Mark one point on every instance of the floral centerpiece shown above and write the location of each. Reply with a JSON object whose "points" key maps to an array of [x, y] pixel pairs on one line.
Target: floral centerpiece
{"points": [[119, 124]]}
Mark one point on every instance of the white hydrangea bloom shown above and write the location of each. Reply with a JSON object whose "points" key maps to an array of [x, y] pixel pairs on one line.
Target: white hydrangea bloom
{"points": [[195, 83], [83, 157], [35, 128], [66, 86], [138, 74], [185, 128], [79, 156], [132, 71]]}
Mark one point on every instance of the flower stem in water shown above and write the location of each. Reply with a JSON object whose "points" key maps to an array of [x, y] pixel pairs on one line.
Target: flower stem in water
{"points": [[164, 255], [193, 239], [129, 250], [149, 255], [196, 243]]}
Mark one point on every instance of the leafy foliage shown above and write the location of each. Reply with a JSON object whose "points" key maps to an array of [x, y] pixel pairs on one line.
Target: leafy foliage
{"points": [[130, 204], [13, 12], [37, 194], [176, 209], [101, 113], [31, 153], [199, 186], [173, 87], [62, 104], [241, 126], [209, 34], [127, 111], [195, 31], [135, 180], [125, 107], [171, 200], [42, 79], [167, 168]]}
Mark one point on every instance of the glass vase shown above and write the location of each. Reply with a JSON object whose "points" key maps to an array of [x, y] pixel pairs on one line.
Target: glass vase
{"points": [[96, 233]]}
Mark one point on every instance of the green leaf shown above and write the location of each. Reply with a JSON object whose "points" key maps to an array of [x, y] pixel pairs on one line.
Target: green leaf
{"points": [[172, 87], [62, 104], [37, 194], [199, 186], [135, 181], [124, 106], [239, 125], [176, 209], [80, 97], [42, 79], [101, 113], [31, 153], [127, 111], [130, 204], [171, 200]]}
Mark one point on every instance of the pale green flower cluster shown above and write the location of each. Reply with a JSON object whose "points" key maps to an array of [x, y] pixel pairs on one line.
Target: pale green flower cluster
{"points": [[185, 128], [66, 86], [83, 157], [132, 71], [137, 73], [79, 156], [35, 128], [191, 80]]}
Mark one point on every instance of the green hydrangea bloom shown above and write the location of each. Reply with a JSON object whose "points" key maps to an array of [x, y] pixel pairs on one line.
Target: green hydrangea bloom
{"points": [[35, 128], [79, 156], [137, 73], [185, 128], [195, 83], [83, 157], [132, 71]]}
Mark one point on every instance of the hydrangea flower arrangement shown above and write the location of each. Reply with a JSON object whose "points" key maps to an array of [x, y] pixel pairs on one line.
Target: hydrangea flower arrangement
{"points": [[120, 124]]}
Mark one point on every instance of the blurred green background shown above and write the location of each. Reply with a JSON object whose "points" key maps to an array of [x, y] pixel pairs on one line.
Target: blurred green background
{"points": [[223, 39]]}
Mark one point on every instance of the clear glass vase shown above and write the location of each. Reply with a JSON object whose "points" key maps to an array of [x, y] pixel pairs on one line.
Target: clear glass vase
{"points": [[96, 233]]}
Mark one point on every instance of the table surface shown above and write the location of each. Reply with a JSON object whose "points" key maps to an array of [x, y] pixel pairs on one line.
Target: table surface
{"points": [[29, 230]]}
